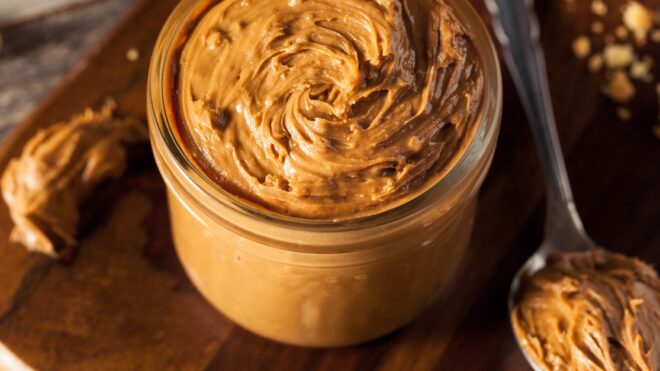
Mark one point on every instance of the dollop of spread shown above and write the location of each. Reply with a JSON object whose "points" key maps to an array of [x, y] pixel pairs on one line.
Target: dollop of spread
{"points": [[327, 109], [58, 169], [591, 311]]}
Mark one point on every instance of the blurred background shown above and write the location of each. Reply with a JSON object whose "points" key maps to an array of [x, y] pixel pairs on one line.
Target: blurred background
{"points": [[41, 41]]}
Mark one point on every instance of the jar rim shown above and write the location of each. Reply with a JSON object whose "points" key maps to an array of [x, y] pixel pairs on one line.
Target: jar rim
{"points": [[164, 133]]}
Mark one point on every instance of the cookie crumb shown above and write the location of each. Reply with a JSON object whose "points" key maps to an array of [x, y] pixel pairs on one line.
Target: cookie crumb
{"points": [[623, 113], [133, 54], [639, 19], [619, 87], [581, 47], [598, 7], [641, 70], [597, 27], [655, 36], [595, 63], [621, 32], [618, 55], [615, 49]]}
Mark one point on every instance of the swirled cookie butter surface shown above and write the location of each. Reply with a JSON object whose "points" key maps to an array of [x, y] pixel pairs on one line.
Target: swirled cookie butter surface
{"points": [[328, 109]]}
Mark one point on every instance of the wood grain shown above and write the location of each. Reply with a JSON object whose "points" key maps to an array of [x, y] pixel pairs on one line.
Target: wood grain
{"points": [[36, 55], [126, 304], [16, 11]]}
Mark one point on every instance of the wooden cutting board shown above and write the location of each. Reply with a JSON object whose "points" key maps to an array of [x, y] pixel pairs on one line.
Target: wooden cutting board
{"points": [[125, 302]]}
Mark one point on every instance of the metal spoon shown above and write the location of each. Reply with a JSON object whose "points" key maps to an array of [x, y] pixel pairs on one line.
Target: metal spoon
{"points": [[517, 29]]}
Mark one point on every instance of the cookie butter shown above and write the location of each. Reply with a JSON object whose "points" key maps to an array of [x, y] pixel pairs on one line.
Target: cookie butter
{"points": [[327, 109], [591, 311], [58, 169]]}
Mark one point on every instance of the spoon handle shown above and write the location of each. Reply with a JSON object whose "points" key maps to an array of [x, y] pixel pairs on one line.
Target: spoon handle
{"points": [[517, 28]]}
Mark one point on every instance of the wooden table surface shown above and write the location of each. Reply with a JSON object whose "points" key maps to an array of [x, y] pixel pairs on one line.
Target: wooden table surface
{"points": [[42, 40], [126, 304]]}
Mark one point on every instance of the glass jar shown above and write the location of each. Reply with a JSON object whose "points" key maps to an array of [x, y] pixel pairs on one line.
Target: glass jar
{"points": [[314, 283]]}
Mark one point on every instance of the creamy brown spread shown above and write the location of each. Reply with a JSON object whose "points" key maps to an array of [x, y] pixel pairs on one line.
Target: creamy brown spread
{"points": [[591, 311], [327, 109], [58, 169]]}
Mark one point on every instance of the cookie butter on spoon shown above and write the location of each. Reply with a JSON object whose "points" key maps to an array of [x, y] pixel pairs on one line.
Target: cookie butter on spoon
{"points": [[591, 310], [573, 306], [327, 109]]}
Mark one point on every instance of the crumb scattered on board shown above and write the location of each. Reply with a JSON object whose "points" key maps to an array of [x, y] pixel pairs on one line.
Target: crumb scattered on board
{"points": [[599, 7], [597, 27], [655, 36], [619, 57], [623, 113], [620, 89], [596, 62], [639, 19], [582, 47], [621, 33], [641, 70]]}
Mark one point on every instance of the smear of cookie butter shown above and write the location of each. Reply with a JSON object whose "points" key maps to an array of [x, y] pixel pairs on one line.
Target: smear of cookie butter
{"points": [[591, 311], [328, 109], [58, 169]]}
